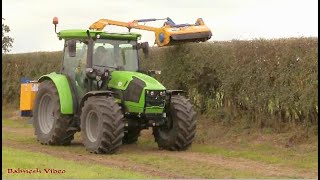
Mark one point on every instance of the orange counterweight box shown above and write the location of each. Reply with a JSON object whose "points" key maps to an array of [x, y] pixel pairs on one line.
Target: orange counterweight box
{"points": [[27, 95]]}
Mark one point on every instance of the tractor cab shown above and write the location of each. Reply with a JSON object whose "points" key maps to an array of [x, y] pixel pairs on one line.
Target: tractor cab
{"points": [[90, 57], [115, 51]]}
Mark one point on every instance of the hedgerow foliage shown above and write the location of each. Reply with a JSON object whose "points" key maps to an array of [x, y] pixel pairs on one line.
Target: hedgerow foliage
{"points": [[29, 65], [268, 82], [265, 82]]}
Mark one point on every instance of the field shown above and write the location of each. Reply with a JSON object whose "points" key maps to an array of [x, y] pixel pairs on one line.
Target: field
{"points": [[249, 155], [257, 112]]}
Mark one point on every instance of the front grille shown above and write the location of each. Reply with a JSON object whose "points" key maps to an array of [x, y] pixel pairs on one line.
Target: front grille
{"points": [[156, 99]]}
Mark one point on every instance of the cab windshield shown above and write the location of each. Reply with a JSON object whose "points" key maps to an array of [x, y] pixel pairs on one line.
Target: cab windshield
{"points": [[115, 54]]}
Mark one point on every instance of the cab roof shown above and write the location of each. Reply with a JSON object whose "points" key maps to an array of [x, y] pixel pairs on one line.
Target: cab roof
{"points": [[82, 34]]}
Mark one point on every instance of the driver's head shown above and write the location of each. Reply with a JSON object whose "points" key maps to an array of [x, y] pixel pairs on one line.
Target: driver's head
{"points": [[99, 55], [100, 51]]}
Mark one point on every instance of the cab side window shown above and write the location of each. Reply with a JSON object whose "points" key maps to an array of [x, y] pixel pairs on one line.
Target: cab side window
{"points": [[74, 60]]}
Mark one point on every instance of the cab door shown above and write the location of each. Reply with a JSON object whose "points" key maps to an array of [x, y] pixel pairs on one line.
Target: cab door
{"points": [[74, 64]]}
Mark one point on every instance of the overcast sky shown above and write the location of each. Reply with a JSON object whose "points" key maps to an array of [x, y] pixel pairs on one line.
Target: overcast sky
{"points": [[31, 20]]}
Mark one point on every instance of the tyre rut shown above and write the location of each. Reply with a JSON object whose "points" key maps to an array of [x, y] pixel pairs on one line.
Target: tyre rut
{"points": [[232, 163]]}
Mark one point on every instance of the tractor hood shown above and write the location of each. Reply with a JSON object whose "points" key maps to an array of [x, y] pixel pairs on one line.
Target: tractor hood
{"points": [[121, 79]]}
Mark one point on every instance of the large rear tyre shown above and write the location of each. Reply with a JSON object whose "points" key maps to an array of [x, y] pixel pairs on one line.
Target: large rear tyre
{"points": [[102, 125], [177, 134], [51, 127]]}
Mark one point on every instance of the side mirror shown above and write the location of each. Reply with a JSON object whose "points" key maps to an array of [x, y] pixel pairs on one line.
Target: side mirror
{"points": [[145, 48], [71, 44]]}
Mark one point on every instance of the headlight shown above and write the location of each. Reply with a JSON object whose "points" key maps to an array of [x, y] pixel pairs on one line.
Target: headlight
{"points": [[155, 93], [152, 93], [162, 93]]}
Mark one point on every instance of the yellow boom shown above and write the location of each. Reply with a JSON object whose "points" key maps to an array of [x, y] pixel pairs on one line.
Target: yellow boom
{"points": [[169, 34]]}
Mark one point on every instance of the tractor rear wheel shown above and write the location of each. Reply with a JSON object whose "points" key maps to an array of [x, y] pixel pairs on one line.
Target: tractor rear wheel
{"points": [[131, 136], [177, 134], [51, 127], [102, 125]]}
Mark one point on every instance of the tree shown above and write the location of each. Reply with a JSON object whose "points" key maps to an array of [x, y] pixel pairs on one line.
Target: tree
{"points": [[6, 40]]}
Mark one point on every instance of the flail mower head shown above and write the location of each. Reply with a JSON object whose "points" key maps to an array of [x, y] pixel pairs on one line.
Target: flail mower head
{"points": [[169, 34]]}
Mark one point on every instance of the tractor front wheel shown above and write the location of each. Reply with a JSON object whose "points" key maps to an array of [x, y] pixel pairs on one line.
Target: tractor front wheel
{"points": [[177, 134], [102, 125], [51, 127]]}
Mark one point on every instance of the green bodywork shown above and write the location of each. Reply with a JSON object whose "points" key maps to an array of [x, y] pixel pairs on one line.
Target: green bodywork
{"points": [[64, 91], [121, 79]]}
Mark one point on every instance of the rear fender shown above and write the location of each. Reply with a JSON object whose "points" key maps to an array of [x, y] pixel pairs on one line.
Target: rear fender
{"points": [[64, 91]]}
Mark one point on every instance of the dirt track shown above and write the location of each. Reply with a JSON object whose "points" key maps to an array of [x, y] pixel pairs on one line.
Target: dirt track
{"points": [[122, 162]]}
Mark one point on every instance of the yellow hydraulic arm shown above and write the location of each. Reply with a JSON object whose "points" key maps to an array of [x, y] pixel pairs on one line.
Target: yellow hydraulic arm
{"points": [[168, 34]]}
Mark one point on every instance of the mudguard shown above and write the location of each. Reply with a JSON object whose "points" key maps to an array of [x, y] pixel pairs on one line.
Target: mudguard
{"points": [[175, 92], [95, 93], [64, 91]]}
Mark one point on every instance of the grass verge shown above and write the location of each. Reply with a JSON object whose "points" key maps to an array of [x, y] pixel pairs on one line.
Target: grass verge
{"points": [[14, 159], [267, 154]]}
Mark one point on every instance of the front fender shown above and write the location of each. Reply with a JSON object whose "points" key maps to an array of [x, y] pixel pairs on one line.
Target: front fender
{"points": [[175, 92], [64, 91], [94, 93]]}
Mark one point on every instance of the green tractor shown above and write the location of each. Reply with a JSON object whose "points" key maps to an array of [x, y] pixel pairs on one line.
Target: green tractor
{"points": [[101, 91]]}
